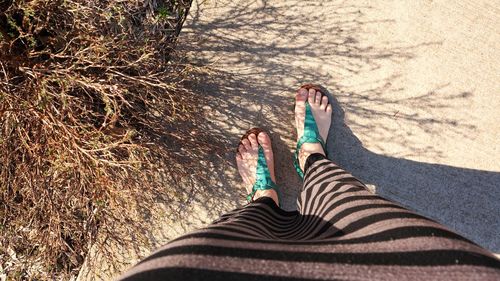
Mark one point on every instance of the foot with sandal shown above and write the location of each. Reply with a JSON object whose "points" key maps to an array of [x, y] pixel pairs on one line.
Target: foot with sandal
{"points": [[255, 158]]}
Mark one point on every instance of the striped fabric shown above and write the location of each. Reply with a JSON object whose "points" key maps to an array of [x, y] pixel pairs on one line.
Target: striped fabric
{"points": [[341, 231]]}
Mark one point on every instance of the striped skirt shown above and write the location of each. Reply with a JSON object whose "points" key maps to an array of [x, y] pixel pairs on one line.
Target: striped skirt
{"points": [[340, 231]]}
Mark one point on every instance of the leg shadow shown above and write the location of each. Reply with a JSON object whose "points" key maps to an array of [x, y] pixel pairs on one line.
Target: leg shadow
{"points": [[466, 200]]}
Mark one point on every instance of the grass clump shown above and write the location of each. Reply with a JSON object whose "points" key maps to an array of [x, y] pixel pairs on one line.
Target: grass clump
{"points": [[92, 105]]}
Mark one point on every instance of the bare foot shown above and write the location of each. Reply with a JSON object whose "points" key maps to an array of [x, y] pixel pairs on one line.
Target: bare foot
{"points": [[246, 159], [322, 112]]}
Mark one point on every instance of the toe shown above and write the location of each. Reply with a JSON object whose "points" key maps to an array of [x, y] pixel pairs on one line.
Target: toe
{"points": [[324, 102], [300, 104], [241, 149], [329, 108], [264, 140], [247, 144], [301, 95], [300, 110], [312, 95], [318, 98], [253, 141]]}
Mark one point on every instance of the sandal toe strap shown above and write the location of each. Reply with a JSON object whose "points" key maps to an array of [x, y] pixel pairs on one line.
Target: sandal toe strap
{"points": [[263, 179], [311, 135]]}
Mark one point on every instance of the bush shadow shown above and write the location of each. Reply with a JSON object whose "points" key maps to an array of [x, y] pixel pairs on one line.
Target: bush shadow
{"points": [[253, 70]]}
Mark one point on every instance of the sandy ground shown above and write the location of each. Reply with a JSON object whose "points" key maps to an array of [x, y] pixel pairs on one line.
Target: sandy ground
{"points": [[416, 94], [415, 84]]}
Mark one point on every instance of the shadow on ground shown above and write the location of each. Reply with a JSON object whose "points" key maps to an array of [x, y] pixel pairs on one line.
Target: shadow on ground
{"points": [[258, 57]]}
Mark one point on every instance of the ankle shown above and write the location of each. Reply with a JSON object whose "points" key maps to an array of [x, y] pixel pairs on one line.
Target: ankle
{"points": [[308, 149], [267, 193]]}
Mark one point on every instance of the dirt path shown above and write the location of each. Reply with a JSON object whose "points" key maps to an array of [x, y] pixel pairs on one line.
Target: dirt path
{"points": [[415, 88], [415, 84]]}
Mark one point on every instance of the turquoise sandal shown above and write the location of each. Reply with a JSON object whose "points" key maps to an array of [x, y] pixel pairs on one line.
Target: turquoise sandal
{"points": [[263, 179], [311, 133]]}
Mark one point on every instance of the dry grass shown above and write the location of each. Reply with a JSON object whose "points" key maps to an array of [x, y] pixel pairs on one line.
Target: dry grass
{"points": [[91, 106]]}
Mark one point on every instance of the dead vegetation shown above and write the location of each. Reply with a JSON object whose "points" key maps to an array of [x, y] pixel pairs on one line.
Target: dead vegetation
{"points": [[93, 103]]}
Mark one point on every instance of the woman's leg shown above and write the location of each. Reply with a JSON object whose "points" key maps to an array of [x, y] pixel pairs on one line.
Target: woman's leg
{"points": [[360, 229], [235, 246]]}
